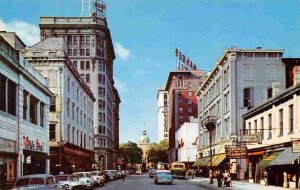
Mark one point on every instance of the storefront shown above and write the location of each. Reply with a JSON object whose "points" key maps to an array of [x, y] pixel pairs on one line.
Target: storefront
{"points": [[8, 163], [72, 159], [254, 172]]}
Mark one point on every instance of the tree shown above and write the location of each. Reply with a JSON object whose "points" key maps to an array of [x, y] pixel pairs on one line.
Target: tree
{"points": [[131, 153], [158, 152]]}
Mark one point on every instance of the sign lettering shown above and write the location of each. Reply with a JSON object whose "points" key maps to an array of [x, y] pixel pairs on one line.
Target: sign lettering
{"points": [[184, 62], [236, 152]]}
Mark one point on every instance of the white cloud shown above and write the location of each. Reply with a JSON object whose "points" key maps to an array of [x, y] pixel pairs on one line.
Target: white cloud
{"points": [[28, 33], [120, 85], [121, 51]]}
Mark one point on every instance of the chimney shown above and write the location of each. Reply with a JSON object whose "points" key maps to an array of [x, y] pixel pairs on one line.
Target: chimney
{"points": [[275, 88], [297, 75]]}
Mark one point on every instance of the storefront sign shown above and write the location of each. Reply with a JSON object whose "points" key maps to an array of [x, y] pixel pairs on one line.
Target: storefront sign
{"points": [[32, 145], [75, 152], [296, 146], [10, 171], [7, 145], [247, 138], [236, 152]]}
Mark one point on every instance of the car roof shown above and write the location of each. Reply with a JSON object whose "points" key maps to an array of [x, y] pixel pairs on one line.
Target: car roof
{"points": [[81, 172], [163, 171], [36, 176]]}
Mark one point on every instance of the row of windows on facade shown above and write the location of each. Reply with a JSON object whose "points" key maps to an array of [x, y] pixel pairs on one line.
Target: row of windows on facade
{"points": [[31, 105], [85, 40], [85, 65], [183, 83], [82, 100], [180, 93], [188, 118], [87, 78], [84, 52], [81, 137], [270, 128], [102, 117], [214, 110], [190, 110]]}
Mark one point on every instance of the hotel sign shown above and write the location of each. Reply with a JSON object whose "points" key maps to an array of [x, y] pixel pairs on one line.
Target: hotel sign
{"points": [[296, 146], [184, 62], [236, 152]]}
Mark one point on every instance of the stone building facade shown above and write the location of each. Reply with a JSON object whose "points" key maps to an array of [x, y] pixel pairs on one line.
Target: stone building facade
{"points": [[162, 114], [90, 48], [71, 107]]}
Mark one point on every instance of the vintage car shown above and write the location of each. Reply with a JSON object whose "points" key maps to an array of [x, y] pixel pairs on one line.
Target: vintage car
{"points": [[71, 182], [86, 178], [99, 177], [38, 181], [163, 176]]}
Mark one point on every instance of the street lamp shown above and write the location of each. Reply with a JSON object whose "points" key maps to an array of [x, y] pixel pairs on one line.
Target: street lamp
{"points": [[209, 124]]}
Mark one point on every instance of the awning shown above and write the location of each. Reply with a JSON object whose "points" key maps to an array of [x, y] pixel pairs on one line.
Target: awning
{"points": [[265, 162], [219, 159], [202, 162], [214, 158], [286, 157]]}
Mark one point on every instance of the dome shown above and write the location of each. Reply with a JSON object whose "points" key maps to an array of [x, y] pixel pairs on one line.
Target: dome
{"points": [[144, 138]]}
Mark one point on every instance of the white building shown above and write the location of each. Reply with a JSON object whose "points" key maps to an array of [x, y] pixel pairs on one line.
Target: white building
{"points": [[71, 117], [186, 141], [277, 123], [90, 48], [24, 113], [241, 79], [162, 114]]}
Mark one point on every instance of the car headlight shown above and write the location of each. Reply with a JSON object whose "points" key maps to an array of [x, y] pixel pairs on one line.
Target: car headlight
{"points": [[87, 181]]}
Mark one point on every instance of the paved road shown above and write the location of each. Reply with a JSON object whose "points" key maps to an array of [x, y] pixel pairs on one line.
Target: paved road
{"points": [[143, 182]]}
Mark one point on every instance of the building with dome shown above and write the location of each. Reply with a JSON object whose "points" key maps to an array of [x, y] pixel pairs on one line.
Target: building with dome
{"points": [[144, 145]]}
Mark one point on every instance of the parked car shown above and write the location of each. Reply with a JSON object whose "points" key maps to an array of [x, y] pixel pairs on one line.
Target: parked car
{"points": [[138, 172], [126, 172], [86, 178], [111, 174], [163, 176], [71, 182], [152, 172], [99, 178], [38, 181]]}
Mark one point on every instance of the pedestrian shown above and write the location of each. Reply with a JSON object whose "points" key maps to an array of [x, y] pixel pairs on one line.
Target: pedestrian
{"points": [[225, 177], [123, 175], [193, 173], [266, 177], [219, 178], [210, 176]]}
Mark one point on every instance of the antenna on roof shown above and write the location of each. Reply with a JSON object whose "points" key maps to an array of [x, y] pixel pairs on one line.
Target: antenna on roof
{"points": [[95, 8]]}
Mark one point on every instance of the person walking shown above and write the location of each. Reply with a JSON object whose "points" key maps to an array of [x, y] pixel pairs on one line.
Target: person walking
{"points": [[123, 175], [266, 177]]}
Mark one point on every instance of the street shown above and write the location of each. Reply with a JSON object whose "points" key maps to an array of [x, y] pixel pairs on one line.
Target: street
{"points": [[143, 182]]}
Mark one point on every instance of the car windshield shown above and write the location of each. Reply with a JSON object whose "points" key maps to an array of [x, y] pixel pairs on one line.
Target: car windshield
{"points": [[62, 178], [163, 173], [95, 173], [37, 181], [22, 182], [87, 175], [178, 166], [80, 175]]}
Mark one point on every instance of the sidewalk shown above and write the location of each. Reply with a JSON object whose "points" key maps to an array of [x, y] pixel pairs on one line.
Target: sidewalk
{"points": [[240, 185]]}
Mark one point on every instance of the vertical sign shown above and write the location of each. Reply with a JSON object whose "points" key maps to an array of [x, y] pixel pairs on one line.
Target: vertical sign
{"points": [[10, 170]]}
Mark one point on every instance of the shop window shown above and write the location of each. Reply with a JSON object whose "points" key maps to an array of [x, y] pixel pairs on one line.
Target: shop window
{"points": [[33, 110], [52, 132]]}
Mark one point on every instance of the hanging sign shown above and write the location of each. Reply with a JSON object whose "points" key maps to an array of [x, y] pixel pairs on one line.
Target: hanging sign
{"points": [[236, 152], [296, 146]]}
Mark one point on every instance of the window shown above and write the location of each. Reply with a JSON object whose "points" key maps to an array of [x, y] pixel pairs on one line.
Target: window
{"points": [[281, 122], [11, 97], [226, 99], [180, 110], [69, 39], [52, 131], [255, 126], [73, 111], [75, 52], [2, 93], [270, 92], [68, 84], [189, 102], [77, 137], [190, 110], [88, 53], [99, 78], [180, 93], [25, 106], [270, 125], [81, 39], [88, 40], [291, 119], [75, 64], [68, 107], [73, 135], [100, 129], [81, 52], [99, 91], [68, 133], [75, 40], [33, 110], [189, 85], [87, 78], [42, 114], [180, 118], [248, 97], [87, 65], [82, 65], [262, 128], [189, 93], [249, 128], [52, 104], [180, 102], [82, 76], [69, 52]]}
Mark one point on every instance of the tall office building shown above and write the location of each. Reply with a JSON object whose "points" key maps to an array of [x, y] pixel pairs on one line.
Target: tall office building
{"points": [[162, 114], [91, 51]]}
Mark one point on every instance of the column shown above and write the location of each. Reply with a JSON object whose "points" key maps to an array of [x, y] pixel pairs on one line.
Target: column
{"points": [[20, 164]]}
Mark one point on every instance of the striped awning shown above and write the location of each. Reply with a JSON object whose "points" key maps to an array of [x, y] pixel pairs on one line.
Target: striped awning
{"points": [[286, 157], [219, 160]]}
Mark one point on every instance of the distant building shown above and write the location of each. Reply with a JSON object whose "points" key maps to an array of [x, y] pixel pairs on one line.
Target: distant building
{"points": [[162, 114], [182, 102], [90, 49], [144, 145], [241, 79], [71, 107], [276, 120], [24, 113], [186, 138]]}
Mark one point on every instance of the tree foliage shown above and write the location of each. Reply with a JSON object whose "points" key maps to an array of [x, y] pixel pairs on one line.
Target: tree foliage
{"points": [[131, 153], [158, 152]]}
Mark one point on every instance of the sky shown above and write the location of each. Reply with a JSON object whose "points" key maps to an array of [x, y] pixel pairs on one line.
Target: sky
{"points": [[145, 34]]}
